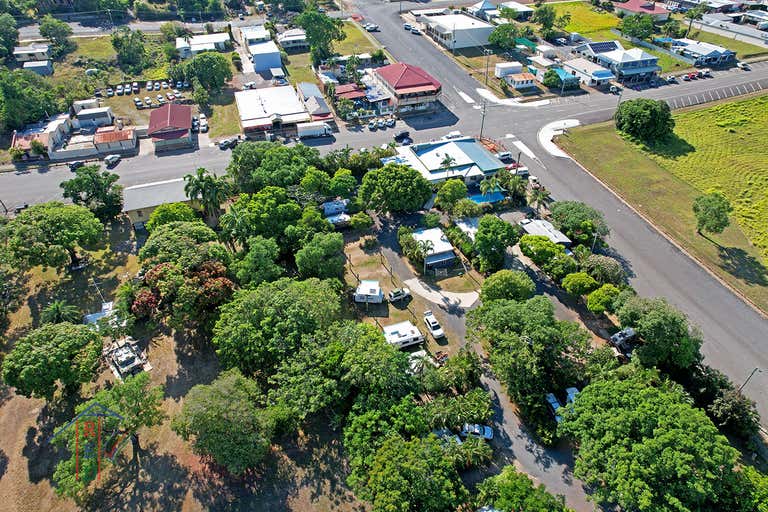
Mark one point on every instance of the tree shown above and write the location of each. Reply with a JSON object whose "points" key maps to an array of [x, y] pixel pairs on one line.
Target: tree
{"points": [[539, 196], [9, 35], [60, 311], [52, 353], [170, 212], [131, 53], [97, 190], [394, 188], [258, 264], [578, 221], [343, 184], [552, 80], [466, 208], [211, 69], [711, 211], [321, 31], [13, 288], [25, 97], [225, 423], [671, 28], [694, 14], [447, 163], [504, 35], [645, 119], [360, 221], [560, 266], [545, 16], [668, 342], [491, 241], [138, 406], [579, 283], [210, 190], [604, 269], [449, 193], [601, 299], [414, 476], [489, 185], [49, 233], [57, 32], [344, 107], [187, 244], [646, 426], [256, 165], [261, 327], [540, 248], [316, 181], [200, 94], [507, 284], [267, 213], [637, 25], [512, 490], [173, 29], [322, 257]]}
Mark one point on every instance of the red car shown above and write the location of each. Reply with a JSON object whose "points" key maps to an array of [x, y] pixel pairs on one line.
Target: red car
{"points": [[693, 76]]}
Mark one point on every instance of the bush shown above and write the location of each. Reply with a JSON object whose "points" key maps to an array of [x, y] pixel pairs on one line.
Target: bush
{"points": [[430, 220], [560, 266], [602, 299], [461, 241], [360, 221], [540, 249], [604, 269], [507, 284], [645, 119], [579, 283]]}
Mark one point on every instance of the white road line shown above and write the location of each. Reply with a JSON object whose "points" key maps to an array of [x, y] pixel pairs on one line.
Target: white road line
{"points": [[718, 94], [510, 136], [711, 98], [731, 89], [525, 149], [760, 86], [466, 97]]}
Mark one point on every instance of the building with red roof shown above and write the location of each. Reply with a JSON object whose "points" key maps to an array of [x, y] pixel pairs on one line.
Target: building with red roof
{"points": [[412, 89], [654, 9], [170, 127], [110, 139]]}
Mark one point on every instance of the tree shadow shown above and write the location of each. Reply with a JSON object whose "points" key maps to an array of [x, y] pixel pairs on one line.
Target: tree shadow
{"points": [[195, 365], [672, 146], [739, 263], [624, 262], [3, 464]]}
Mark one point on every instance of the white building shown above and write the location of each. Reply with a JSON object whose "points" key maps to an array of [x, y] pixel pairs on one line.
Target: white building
{"points": [[293, 39], [544, 228], [369, 291], [523, 11], [41, 67], [247, 36], [36, 51], [403, 334], [589, 73], [705, 54], [90, 117], [503, 69], [456, 31], [265, 56], [191, 46], [519, 81], [270, 108], [440, 253]]}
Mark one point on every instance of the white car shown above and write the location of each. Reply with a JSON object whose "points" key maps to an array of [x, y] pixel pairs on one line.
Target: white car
{"points": [[433, 326], [743, 65], [249, 85], [554, 405], [475, 430], [111, 160], [119, 90]]}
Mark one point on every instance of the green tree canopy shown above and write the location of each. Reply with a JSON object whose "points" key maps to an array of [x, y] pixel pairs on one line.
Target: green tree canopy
{"points": [[491, 241], [578, 221], [60, 311], [449, 193], [552, 80], [645, 119], [48, 233], [224, 421], [539, 248], [579, 283], [25, 97], [512, 490], [131, 53], [321, 31], [602, 299], [394, 188], [604, 269], [255, 165], [171, 212], [52, 353], [316, 181], [507, 284], [210, 68], [97, 190], [258, 264], [504, 36], [9, 35], [57, 32], [343, 183], [711, 211], [187, 244], [637, 25], [322, 257]]}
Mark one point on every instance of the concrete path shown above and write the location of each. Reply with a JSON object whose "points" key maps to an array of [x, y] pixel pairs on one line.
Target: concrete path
{"points": [[449, 299], [548, 131]]}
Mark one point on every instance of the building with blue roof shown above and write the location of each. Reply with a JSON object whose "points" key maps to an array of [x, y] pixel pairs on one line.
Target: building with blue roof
{"points": [[588, 72], [460, 157]]}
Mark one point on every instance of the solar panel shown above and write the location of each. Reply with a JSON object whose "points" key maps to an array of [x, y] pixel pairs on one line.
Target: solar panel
{"points": [[604, 46]]}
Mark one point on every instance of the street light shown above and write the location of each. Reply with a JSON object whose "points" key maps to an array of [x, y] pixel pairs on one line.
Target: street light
{"points": [[487, 52], [756, 370]]}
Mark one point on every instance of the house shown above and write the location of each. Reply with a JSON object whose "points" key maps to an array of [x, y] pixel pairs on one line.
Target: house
{"points": [[79, 105], [51, 134], [483, 9], [455, 31], [647, 7], [524, 12], [294, 39], [369, 291], [32, 52], [713, 6], [704, 54], [411, 88], [545, 228], [139, 201], [541, 63], [93, 117], [568, 80], [463, 158], [41, 67], [265, 56], [588, 72], [632, 66], [314, 101], [520, 81], [593, 49], [440, 251], [110, 139], [191, 46], [403, 334], [757, 18], [503, 69], [170, 127], [469, 226], [546, 51], [270, 108], [246, 36], [334, 207]]}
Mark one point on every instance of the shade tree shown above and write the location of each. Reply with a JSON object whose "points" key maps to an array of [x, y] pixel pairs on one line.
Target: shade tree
{"points": [[97, 190], [711, 211], [645, 119], [394, 188], [512, 490], [507, 284], [491, 241], [322, 257]]}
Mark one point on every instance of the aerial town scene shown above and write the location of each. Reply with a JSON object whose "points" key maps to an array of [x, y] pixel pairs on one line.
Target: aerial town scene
{"points": [[384, 255]]}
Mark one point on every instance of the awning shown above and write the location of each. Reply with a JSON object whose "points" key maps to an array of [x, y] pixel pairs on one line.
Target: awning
{"points": [[257, 124], [412, 90], [439, 258]]}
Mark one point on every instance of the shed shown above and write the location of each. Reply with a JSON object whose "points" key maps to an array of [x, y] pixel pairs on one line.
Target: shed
{"points": [[403, 334], [41, 67], [441, 252], [503, 69], [139, 201], [99, 116], [265, 56], [369, 291]]}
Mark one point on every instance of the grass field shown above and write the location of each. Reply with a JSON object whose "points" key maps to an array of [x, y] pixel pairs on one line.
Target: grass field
{"points": [[224, 119], [356, 42], [300, 68], [720, 147], [584, 18]]}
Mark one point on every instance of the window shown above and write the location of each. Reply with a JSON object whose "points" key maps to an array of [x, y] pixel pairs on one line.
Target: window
{"points": [[139, 213]]}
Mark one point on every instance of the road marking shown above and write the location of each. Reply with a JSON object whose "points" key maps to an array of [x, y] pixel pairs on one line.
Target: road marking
{"points": [[753, 87], [760, 86], [466, 97], [711, 98], [718, 94], [510, 136], [524, 149], [731, 89]]}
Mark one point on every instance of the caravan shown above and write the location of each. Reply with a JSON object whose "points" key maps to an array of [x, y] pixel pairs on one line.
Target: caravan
{"points": [[369, 292], [403, 334]]}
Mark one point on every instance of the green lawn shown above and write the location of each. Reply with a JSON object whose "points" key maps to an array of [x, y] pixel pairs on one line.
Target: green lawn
{"points": [[224, 119], [300, 68], [357, 41], [743, 50], [710, 151], [584, 17]]}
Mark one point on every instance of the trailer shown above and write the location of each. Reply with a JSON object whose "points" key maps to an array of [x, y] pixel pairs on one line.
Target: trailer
{"points": [[403, 334], [313, 129]]}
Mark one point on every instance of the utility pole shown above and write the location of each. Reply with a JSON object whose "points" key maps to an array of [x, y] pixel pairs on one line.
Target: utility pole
{"points": [[748, 378], [488, 52], [4, 207], [482, 122]]}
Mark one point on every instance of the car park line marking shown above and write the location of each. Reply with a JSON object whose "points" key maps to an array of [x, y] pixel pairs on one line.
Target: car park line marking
{"points": [[524, 149], [753, 87], [732, 94], [718, 94], [711, 98]]}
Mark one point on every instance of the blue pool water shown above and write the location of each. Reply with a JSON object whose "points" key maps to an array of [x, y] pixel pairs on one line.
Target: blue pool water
{"points": [[493, 197]]}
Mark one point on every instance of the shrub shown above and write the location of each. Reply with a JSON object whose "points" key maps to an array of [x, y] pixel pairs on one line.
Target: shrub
{"points": [[507, 284], [540, 249], [430, 220], [604, 269], [602, 299], [579, 283]]}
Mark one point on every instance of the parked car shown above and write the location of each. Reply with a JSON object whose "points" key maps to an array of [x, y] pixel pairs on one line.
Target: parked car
{"points": [[112, 160], [372, 27], [73, 166], [164, 84], [706, 73], [186, 84], [399, 136], [249, 85], [110, 92], [203, 123], [407, 26], [447, 436], [686, 78], [135, 87], [390, 122], [693, 76], [127, 88], [149, 85], [157, 86], [561, 41], [504, 156], [147, 100], [372, 125], [554, 404], [433, 326], [615, 89], [671, 79], [415, 31], [476, 430], [119, 90], [622, 340], [399, 294], [179, 84], [137, 102], [743, 65], [228, 143], [380, 124], [170, 96]]}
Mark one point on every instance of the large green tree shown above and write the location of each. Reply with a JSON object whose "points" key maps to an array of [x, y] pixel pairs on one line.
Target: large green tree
{"points": [[637, 25], [211, 69], [9, 35], [504, 36], [258, 264], [25, 97], [267, 213], [711, 211], [491, 241], [170, 212], [645, 119], [208, 189], [255, 165], [343, 183], [57, 32], [642, 446], [131, 52], [449, 193], [187, 244], [49, 233], [224, 421], [394, 188], [261, 327], [60, 311], [507, 284], [512, 491], [321, 31], [51, 354], [540, 249], [97, 190], [578, 221], [322, 256]]}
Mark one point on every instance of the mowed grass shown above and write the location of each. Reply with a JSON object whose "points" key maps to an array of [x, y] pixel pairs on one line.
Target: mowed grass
{"points": [[721, 147], [224, 119], [743, 50], [300, 68], [356, 41], [584, 17]]}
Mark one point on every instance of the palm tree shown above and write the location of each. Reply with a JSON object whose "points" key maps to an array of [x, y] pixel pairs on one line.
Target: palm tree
{"points": [[423, 248], [539, 196], [671, 28], [60, 311], [516, 187], [208, 189], [447, 163], [234, 226], [694, 14], [489, 185]]}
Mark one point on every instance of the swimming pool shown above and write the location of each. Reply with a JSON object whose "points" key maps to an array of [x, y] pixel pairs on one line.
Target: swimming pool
{"points": [[492, 197]]}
